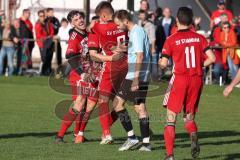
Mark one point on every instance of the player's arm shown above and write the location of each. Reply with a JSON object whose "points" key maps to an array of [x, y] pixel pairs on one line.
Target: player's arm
{"points": [[234, 82], [166, 54], [95, 56], [72, 54]]}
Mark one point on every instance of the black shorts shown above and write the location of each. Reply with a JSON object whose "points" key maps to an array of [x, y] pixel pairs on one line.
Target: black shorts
{"points": [[137, 97]]}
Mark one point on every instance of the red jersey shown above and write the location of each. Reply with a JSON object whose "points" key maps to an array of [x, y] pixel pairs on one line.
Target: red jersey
{"points": [[106, 36], [187, 50], [216, 16], [78, 48], [43, 31]]}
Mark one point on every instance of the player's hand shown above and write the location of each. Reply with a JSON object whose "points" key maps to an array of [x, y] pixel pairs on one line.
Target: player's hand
{"points": [[227, 91], [135, 85], [117, 56]]}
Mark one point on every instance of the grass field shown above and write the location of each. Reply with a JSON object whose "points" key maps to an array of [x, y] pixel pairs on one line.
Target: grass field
{"points": [[28, 124]]}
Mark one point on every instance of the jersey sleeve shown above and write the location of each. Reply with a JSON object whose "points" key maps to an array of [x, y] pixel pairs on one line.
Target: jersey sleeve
{"points": [[73, 46], [166, 51], [93, 41]]}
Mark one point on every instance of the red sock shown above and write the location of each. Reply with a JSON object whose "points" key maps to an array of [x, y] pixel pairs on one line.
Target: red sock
{"points": [[85, 121], [169, 137], [113, 118], [104, 117], [78, 122], [190, 127], [67, 121]]}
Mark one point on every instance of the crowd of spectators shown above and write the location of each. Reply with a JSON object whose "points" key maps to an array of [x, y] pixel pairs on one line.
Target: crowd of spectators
{"points": [[159, 24], [19, 37]]}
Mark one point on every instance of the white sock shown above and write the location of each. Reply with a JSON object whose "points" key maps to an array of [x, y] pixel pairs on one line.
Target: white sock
{"points": [[146, 140], [80, 133], [130, 133]]}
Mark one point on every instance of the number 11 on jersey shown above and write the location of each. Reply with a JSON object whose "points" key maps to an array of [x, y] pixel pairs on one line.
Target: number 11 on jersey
{"points": [[190, 51]]}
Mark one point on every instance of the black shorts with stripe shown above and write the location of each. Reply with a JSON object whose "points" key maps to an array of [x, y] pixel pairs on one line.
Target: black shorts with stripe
{"points": [[137, 97]]}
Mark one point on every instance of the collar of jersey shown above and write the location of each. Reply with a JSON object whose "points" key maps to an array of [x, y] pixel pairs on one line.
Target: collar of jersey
{"points": [[183, 30]]}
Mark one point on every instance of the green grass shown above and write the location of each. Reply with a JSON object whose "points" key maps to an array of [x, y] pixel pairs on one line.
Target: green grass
{"points": [[28, 124]]}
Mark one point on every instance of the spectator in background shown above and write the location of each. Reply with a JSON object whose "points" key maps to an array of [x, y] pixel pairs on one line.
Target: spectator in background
{"points": [[18, 46], [64, 30], [44, 34], [26, 32], [144, 6], [216, 30], [7, 48], [150, 30], [56, 24], [228, 39], [219, 68], [215, 17], [163, 30], [159, 14]]}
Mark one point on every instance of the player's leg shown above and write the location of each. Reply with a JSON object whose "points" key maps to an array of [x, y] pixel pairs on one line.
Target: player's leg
{"points": [[91, 103], [70, 117], [191, 127], [144, 126], [169, 134], [126, 122], [191, 105], [104, 117], [174, 101], [78, 120]]}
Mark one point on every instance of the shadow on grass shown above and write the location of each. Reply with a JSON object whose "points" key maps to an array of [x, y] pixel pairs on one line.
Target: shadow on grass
{"points": [[222, 157], [182, 137], [30, 134], [156, 139]]}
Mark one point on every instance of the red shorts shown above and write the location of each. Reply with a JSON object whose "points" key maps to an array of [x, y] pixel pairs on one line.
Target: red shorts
{"points": [[85, 89], [111, 79], [183, 93]]}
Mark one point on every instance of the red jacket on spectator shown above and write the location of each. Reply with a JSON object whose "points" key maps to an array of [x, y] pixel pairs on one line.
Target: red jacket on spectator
{"points": [[43, 31], [229, 40], [215, 17]]}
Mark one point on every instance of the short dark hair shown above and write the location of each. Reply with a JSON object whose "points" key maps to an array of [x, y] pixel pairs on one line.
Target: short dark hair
{"points": [[143, 12], [41, 11], [185, 16], [26, 10], [104, 5], [123, 15], [64, 20], [73, 13], [49, 9]]}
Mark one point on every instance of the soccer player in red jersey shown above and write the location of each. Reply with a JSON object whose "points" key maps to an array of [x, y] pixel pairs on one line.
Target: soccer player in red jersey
{"points": [[83, 78], [188, 51], [106, 37]]}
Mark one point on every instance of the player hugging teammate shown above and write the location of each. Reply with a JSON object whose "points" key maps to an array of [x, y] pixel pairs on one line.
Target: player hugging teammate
{"points": [[83, 78], [124, 75]]}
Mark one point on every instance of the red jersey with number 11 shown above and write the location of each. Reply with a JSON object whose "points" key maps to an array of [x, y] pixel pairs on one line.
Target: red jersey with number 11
{"points": [[187, 49]]}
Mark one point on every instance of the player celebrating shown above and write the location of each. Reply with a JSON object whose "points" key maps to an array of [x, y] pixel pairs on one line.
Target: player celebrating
{"points": [[83, 77], [135, 86], [106, 36], [187, 49]]}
